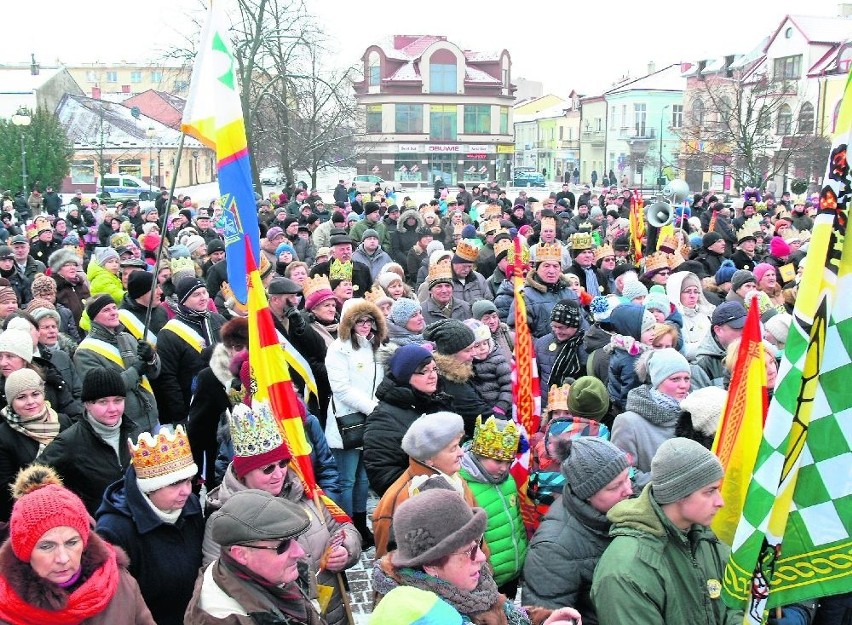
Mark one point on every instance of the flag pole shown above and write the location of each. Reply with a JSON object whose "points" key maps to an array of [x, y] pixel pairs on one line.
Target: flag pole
{"points": [[163, 234]]}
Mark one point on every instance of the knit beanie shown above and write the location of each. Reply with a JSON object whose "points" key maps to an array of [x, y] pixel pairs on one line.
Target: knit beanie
{"points": [[658, 301], [186, 287], [139, 283], [434, 246], [406, 360], [648, 321], [450, 336], [480, 330], [103, 254], [19, 323], [43, 504], [20, 381], [680, 467], [740, 277], [482, 307], [43, 286], [710, 238], [7, 294], [388, 278], [97, 304], [705, 406], [634, 289], [404, 309], [779, 327], [102, 382], [215, 245], [370, 208], [602, 306], [434, 524], [663, 363], [566, 312], [17, 343], [588, 398], [592, 463], [778, 247], [194, 243], [761, 269], [40, 312], [274, 232], [430, 433], [725, 272], [369, 232], [285, 247]]}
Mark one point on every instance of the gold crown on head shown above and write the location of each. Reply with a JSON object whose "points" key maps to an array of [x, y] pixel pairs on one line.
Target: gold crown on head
{"points": [[668, 244], [184, 264], [503, 245], [162, 460], [549, 252], [676, 259], [119, 239], [525, 254], [581, 241], [492, 211], [340, 271], [490, 440], [656, 261], [557, 397], [457, 229], [749, 227], [491, 226], [254, 430], [375, 294], [312, 285], [440, 272], [603, 251], [549, 222], [467, 252]]}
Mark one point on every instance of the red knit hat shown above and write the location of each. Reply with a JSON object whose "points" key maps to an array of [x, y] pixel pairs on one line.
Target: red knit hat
{"points": [[256, 437], [778, 247], [43, 504]]}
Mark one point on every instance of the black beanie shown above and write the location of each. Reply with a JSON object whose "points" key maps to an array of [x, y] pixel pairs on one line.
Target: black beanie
{"points": [[97, 304], [289, 221], [450, 336], [338, 218], [102, 382], [371, 207], [139, 283], [187, 286], [215, 245]]}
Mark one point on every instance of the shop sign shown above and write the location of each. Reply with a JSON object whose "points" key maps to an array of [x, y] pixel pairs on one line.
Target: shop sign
{"points": [[480, 149], [443, 148], [408, 147], [474, 157], [505, 149], [376, 169]]}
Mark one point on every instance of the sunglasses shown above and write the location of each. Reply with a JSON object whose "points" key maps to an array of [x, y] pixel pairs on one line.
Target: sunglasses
{"points": [[471, 552], [270, 469], [281, 548]]}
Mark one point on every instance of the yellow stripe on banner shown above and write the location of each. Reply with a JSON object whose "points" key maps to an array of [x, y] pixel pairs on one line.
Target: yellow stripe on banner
{"points": [[188, 335], [115, 357], [231, 138], [202, 129]]}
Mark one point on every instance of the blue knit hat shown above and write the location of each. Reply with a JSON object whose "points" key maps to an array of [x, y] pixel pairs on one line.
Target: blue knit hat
{"points": [[406, 360], [725, 272], [404, 309], [285, 247]]}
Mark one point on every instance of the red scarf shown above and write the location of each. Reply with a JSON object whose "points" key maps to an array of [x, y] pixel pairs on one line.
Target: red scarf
{"points": [[90, 598]]}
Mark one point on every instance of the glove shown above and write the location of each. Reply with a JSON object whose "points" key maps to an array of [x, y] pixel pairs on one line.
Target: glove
{"points": [[53, 378], [145, 352], [791, 615], [141, 367], [297, 321]]}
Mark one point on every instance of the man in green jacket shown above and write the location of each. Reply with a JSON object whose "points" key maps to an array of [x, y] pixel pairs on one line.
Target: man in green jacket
{"points": [[664, 564]]}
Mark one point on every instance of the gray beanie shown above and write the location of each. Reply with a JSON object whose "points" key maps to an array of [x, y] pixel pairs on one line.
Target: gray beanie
{"points": [[634, 289], [20, 381], [740, 277], [450, 336], [430, 433], [103, 254], [663, 363], [369, 232], [482, 307], [648, 321], [680, 467], [592, 463], [404, 309], [434, 524]]}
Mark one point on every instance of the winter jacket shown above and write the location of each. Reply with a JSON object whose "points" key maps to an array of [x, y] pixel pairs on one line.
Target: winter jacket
{"points": [[473, 289], [642, 428], [504, 295], [405, 237], [563, 554], [31, 268], [86, 463], [626, 320], [493, 379], [323, 526], [104, 281], [654, 573], [710, 260], [540, 299], [459, 309], [505, 341], [130, 308], [399, 406], [457, 379], [65, 367], [357, 231], [126, 607], [375, 261], [547, 348], [164, 557], [696, 321], [708, 368], [72, 295], [105, 349], [305, 249], [361, 276], [505, 534]]}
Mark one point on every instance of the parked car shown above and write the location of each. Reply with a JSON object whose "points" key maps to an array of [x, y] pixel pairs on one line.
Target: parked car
{"points": [[124, 187], [366, 183], [271, 177], [528, 179]]}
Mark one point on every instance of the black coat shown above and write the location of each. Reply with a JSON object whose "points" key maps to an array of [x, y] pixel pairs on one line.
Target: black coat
{"points": [[362, 279], [57, 390], [399, 406], [164, 558], [86, 463]]}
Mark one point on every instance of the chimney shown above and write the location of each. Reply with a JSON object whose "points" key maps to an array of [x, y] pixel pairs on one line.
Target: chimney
{"points": [[96, 93], [652, 67], [33, 66]]}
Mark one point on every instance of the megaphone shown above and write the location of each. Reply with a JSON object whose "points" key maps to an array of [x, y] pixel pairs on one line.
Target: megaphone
{"points": [[659, 214], [677, 191]]}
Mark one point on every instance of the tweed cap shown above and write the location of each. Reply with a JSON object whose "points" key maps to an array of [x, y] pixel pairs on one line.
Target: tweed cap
{"points": [[251, 515]]}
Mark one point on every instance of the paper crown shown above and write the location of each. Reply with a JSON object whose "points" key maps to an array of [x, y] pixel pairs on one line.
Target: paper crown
{"points": [[503, 245], [668, 244], [492, 211], [32, 232], [162, 460], [440, 272], [549, 222], [457, 229], [120, 239], [525, 254], [466, 252], [557, 397], [676, 259], [312, 285], [550, 252], [492, 441], [794, 235], [376, 294], [656, 261], [603, 251], [491, 226], [340, 271], [184, 265], [254, 432], [581, 241], [749, 227]]}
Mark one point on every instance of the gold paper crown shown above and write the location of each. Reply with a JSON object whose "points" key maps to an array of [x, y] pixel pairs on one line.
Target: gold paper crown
{"points": [[119, 239], [184, 265], [491, 226], [254, 430], [581, 241], [312, 285], [503, 245], [550, 252], [492, 211], [375, 294], [440, 272], [32, 232], [792, 235], [525, 254], [340, 271], [492, 441], [675, 260], [548, 221], [656, 261], [603, 251], [162, 460], [467, 252], [557, 397], [749, 227], [668, 244]]}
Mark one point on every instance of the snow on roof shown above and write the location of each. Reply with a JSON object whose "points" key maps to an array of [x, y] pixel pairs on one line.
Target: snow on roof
{"points": [[473, 74], [667, 79], [21, 80], [406, 72], [753, 55], [481, 57], [823, 29]]}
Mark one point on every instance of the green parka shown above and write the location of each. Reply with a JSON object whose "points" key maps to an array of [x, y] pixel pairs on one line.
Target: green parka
{"points": [[654, 574]]}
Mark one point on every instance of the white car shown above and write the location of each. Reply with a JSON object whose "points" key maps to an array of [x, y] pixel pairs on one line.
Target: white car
{"points": [[366, 183], [271, 177]]}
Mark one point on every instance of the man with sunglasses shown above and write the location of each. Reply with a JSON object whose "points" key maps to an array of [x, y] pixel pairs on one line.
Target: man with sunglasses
{"points": [[256, 575]]}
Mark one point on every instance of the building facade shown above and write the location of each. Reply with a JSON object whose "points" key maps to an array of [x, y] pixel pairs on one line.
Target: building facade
{"points": [[430, 109], [102, 79]]}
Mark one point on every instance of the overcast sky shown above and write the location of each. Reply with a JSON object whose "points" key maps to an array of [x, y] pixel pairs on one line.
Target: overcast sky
{"points": [[577, 44]]}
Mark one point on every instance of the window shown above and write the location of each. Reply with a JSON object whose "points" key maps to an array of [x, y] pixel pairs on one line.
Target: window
{"points": [[806, 118], [442, 122], [640, 113], [598, 124], [374, 71], [788, 67], [83, 172], [785, 120], [614, 115], [112, 76], [408, 169], [409, 118], [677, 115], [91, 76], [477, 119], [442, 77], [135, 77], [561, 133], [374, 118], [624, 116], [156, 76], [181, 85], [505, 77], [698, 112], [504, 120]]}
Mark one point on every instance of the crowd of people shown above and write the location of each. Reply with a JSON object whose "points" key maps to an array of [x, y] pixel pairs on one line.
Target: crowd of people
{"points": [[139, 483]]}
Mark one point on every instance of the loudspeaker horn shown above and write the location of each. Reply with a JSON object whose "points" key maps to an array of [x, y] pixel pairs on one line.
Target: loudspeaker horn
{"points": [[659, 214]]}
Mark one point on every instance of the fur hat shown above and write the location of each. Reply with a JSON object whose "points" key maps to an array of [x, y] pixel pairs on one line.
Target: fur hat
{"points": [[234, 332], [430, 433], [680, 467], [61, 257]]}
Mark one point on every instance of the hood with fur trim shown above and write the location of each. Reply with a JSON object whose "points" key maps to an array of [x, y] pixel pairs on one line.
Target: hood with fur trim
{"points": [[406, 215], [220, 363], [356, 309], [453, 369]]}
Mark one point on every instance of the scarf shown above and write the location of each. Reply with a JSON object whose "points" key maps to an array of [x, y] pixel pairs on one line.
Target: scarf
{"points": [[198, 318], [42, 428], [480, 599], [111, 435], [666, 401], [169, 518], [567, 361], [592, 285]]}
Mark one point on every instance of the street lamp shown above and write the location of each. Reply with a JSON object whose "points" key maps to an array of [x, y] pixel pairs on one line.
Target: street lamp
{"points": [[22, 118], [150, 133], [660, 174]]}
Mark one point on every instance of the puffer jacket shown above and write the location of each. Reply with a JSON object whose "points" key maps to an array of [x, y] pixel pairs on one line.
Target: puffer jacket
{"points": [[504, 295], [458, 380], [493, 379], [540, 299], [642, 428], [404, 237], [323, 526], [708, 368], [505, 534], [104, 281], [563, 554], [653, 572]]}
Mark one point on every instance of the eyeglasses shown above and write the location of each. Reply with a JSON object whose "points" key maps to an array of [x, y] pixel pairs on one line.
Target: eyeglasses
{"points": [[270, 469], [281, 548], [426, 371], [663, 272], [471, 552]]}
